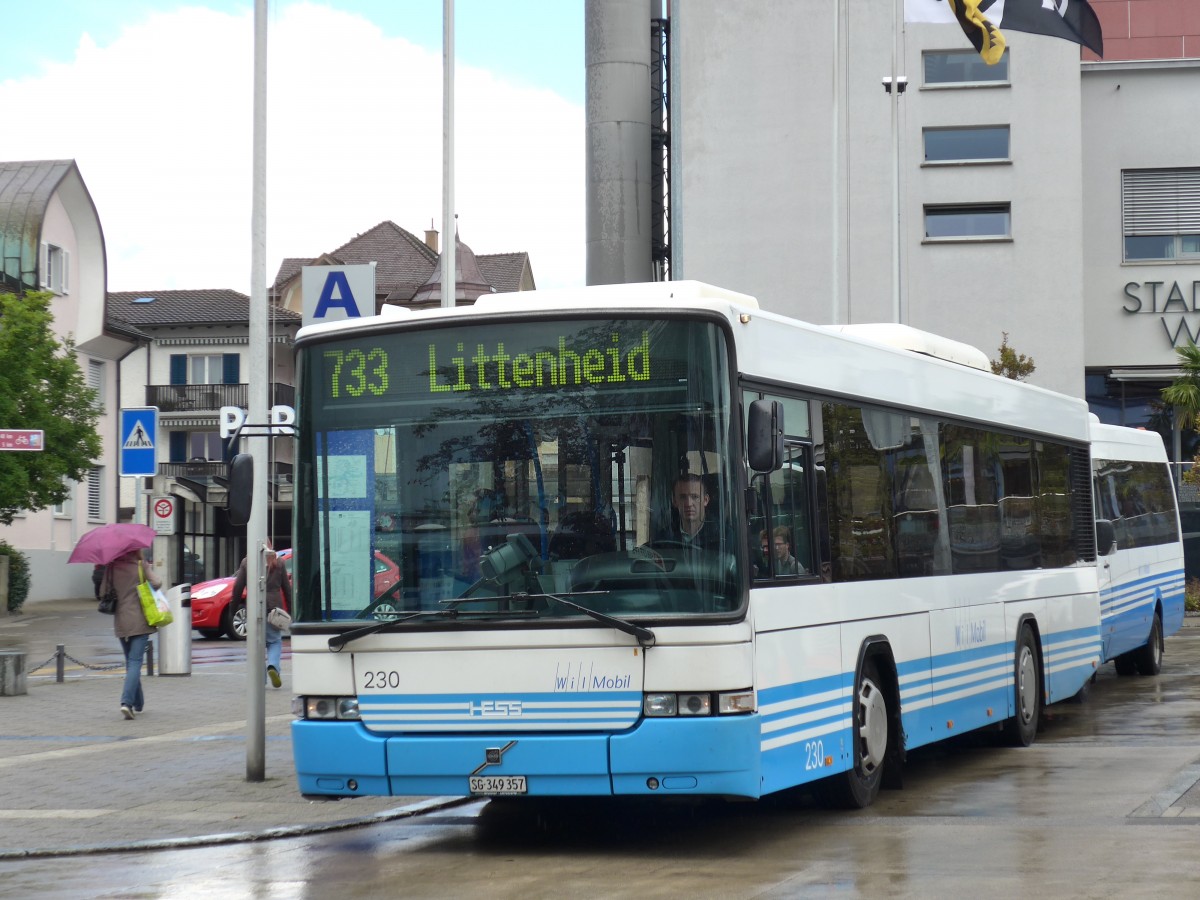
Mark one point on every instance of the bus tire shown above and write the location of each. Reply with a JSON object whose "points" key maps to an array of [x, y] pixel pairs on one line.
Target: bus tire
{"points": [[1125, 665], [1148, 659], [858, 788], [1085, 691], [1021, 729]]}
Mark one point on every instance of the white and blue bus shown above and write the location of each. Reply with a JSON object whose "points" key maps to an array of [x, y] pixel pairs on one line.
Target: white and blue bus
{"points": [[1141, 554], [654, 540]]}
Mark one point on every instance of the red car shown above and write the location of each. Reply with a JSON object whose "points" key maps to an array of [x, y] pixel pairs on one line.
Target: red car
{"points": [[213, 614]]}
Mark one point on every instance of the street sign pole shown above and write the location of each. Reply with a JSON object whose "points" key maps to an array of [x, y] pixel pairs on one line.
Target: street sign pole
{"points": [[139, 454], [256, 527]]}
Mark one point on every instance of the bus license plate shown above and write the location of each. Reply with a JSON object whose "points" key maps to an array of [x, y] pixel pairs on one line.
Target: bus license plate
{"points": [[497, 785]]}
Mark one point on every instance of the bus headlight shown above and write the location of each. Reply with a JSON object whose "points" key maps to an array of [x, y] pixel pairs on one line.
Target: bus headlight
{"points": [[735, 702], [325, 707], [697, 704], [659, 704]]}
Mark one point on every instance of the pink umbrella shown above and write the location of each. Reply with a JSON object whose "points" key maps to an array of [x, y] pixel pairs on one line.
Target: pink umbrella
{"points": [[108, 542]]}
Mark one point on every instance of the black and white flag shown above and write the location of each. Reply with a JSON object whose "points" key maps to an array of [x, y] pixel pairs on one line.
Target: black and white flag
{"points": [[981, 21]]}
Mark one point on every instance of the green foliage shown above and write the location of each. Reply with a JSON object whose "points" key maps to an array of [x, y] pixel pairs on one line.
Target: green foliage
{"points": [[18, 576], [1191, 595], [1011, 364], [1184, 395], [1184, 392], [42, 387]]}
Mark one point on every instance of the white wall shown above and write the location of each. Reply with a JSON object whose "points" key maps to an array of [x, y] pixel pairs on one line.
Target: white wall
{"points": [[754, 108], [1136, 115]]}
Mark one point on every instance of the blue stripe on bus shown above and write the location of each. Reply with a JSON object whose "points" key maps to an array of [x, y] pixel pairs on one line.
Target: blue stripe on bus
{"points": [[1119, 598], [1126, 608], [807, 730]]}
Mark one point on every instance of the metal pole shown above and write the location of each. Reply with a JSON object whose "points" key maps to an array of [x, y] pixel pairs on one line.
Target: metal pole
{"points": [[840, 280], [256, 528], [897, 18], [449, 226]]}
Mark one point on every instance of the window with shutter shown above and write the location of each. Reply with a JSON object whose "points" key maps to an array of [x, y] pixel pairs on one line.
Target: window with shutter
{"points": [[1160, 214], [95, 492]]}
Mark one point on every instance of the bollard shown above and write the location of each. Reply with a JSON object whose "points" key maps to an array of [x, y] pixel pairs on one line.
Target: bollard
{"points": [[12, 673], [150, 658], [175, 640]]}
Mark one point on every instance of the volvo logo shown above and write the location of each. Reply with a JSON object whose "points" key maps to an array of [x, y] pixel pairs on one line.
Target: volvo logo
{"points": [[493, 755]]}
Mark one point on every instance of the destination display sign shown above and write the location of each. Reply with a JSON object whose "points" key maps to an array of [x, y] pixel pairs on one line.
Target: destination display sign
{"points": [[499, 359]]}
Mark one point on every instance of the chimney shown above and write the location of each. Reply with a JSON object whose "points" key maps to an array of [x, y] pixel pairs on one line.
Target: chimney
{"points": [[431, 237]]}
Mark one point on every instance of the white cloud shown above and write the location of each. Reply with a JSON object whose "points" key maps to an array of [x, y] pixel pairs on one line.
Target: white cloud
{"points": [[160, 123]]}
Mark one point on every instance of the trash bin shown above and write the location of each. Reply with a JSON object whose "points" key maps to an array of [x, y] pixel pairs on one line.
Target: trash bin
{"points": [[175, 640]]}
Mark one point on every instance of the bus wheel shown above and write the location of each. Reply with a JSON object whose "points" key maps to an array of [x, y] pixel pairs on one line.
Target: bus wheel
{"points": [[1124, 664], [1022, 727], [858, 788], [1148, 659]]}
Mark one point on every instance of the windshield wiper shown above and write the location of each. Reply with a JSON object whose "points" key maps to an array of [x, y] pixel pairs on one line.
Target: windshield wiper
{"points": [[450, 612], [337, 642], [645, 637]]}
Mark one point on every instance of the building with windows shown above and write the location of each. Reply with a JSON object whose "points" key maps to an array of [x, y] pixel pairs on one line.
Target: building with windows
{"points": [[51, 240], [193, 361], [844, 166]]}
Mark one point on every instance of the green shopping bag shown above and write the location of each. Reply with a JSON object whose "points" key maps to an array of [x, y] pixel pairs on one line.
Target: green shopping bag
{"points": [[154, 602]]}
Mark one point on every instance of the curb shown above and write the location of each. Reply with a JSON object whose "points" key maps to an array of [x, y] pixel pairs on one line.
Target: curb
{"points": [[433, 804]]}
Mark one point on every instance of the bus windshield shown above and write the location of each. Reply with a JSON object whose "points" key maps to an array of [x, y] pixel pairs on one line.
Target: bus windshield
{"points": [[480, 471]]}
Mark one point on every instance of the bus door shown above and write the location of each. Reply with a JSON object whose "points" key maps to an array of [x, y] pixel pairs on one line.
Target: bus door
{"points": [[1119, 631]]}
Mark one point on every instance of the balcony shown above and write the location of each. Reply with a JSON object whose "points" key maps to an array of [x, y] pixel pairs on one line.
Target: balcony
{"points": [[209, 398], [204, 476]]}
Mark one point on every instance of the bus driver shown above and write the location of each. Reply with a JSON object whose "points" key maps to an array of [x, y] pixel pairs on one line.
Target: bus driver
{"points": [[689, 498]]}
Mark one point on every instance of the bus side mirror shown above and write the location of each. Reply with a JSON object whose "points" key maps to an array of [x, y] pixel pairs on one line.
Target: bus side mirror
{"points": [[764, 435], [1106, 537], [241, 489]]}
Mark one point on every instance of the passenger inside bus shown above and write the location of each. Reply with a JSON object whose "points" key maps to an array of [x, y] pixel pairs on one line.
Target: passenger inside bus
{"points": [[785, 562]]}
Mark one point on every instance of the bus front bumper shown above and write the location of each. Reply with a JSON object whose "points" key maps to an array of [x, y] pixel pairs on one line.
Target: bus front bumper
{"points": [[709, 756]]}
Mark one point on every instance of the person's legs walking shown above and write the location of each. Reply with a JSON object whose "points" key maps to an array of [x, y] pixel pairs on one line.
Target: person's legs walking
{"points": [[274, 638], [131, 691]]}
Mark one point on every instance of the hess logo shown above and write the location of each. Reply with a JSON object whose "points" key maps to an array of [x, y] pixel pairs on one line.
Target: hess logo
{"points": [[501, 708]]}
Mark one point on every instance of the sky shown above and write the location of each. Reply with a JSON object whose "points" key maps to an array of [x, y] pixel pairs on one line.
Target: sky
{"points": [[153, 99]]}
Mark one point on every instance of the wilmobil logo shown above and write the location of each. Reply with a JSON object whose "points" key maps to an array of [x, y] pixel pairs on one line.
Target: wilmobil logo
{"points": [[581, 677]]}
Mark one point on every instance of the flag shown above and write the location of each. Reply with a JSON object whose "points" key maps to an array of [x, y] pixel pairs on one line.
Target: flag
{"points": [[1071, 20], [981, 21]]}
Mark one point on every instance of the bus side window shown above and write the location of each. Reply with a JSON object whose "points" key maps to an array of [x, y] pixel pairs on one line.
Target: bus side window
{"points": [[789, 534]]}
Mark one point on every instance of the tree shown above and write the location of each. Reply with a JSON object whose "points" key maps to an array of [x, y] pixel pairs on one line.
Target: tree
{"points": [[42, 387], [1011, 364], [1183, 394]]}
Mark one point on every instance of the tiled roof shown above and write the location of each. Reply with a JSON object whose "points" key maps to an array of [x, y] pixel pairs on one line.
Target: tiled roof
{"points": [[218, 306], [503, 270], [124, 329], [404, 263]]}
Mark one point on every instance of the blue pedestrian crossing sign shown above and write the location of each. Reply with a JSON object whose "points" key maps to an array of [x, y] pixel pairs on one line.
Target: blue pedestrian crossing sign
{"points": [[139, 434]]}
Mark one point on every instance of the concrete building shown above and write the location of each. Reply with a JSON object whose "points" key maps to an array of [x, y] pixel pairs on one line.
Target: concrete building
{"points": [[1053, 198], [192, 361]]}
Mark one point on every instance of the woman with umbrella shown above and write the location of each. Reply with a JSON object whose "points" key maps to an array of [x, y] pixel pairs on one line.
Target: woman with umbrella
{"points": [[119, 548]]}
